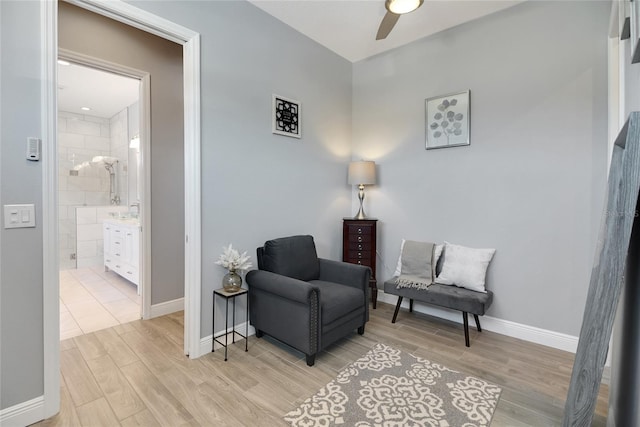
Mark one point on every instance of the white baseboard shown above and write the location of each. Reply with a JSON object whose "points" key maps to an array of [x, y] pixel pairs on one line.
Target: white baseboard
{"points": [[206, 342], [505, 327], [166, 308], [23, 414]]}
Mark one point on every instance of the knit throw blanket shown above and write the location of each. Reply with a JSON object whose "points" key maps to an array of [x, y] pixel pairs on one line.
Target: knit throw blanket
{"points": [[417, 265]]}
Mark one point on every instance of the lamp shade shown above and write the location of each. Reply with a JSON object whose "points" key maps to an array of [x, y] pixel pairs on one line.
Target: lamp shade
{"points": [[362, 172]]}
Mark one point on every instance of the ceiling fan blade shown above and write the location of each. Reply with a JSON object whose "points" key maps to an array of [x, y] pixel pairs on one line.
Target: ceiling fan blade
{"points": [[387, 24]]}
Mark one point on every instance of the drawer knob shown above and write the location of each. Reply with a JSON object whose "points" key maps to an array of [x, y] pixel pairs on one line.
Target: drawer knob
{"points": [[359, 238], [359, 247], [359, 262], [359, 230], [359, 254]]}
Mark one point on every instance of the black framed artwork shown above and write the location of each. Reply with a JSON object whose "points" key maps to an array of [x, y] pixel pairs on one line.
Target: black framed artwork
{"points": [[287, 117]]}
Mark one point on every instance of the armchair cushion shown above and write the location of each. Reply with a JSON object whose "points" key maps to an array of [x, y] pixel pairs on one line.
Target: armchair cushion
{"points": [[293, 256], [337, 300]]}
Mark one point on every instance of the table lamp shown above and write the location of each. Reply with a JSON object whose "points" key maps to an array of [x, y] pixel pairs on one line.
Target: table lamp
{"points": [[362, 173]]}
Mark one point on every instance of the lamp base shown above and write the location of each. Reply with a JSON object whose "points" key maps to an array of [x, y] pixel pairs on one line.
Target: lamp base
{"points": [[360, 214]]}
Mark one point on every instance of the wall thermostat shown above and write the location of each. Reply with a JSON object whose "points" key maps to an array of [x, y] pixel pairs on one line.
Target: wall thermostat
{"points": [[33, 149]]}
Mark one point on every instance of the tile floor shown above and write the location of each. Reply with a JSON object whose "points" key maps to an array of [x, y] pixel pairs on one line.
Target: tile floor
{"points": [[93, 299]]}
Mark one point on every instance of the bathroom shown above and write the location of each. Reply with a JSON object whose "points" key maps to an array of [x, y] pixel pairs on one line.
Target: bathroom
{"points": [[98, 174]]}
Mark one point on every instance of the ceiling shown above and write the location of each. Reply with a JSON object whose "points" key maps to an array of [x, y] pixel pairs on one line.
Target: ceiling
{"points": [[105, 93], [348, 27]]}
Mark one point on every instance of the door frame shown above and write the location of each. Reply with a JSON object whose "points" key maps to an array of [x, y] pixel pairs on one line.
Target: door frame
{"points": [[144, 102], [190, 40]]}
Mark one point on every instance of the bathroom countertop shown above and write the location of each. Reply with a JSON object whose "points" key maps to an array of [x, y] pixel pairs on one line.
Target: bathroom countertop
{"points": [[123, 221]]}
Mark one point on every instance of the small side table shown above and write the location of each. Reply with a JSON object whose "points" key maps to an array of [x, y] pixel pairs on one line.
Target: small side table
{"points": [[230, 296]]}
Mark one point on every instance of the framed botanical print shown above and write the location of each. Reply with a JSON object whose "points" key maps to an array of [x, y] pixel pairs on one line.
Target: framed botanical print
{"points": [[447, 120]]}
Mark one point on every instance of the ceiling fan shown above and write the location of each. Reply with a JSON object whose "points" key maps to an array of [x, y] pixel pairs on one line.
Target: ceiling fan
{"points": [[395, 8]]}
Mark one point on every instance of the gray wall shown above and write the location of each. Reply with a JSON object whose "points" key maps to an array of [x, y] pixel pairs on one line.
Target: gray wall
{"points": [[91, 34], [21, 348], [257, 185], [531, 184]]}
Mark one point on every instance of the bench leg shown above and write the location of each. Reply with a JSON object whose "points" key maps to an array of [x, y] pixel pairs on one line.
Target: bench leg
{"points": [[465, 320], [475, 316], [410, 305], [395, 313]]}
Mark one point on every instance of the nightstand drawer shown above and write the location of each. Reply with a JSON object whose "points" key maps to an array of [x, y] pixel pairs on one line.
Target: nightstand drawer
{"points": [[359, 246], [359, 238], [359, 255], [360, 230], [365, 262]]}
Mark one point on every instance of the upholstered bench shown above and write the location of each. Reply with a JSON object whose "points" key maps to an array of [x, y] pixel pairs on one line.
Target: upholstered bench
{"points": [[447, 296]]}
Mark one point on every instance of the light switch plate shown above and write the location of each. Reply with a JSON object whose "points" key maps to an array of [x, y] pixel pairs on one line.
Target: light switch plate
{"points": [[19, 216]]}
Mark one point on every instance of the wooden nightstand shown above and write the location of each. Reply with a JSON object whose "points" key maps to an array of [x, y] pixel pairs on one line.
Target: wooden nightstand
{"points": [[359, 247]]}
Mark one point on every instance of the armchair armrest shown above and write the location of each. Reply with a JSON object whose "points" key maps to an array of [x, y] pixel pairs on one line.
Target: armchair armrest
{"points": [[345, 273], [286, 287]]}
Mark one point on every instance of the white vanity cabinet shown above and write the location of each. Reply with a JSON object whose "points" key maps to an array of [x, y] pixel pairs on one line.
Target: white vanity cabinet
{"points": [[122, 249]]}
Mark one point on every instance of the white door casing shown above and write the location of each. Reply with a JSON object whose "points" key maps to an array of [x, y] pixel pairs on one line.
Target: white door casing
{"points": [[190, 40]]}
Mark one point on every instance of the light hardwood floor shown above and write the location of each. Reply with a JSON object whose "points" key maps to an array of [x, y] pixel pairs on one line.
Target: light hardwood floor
{"points": [[135, 374]]}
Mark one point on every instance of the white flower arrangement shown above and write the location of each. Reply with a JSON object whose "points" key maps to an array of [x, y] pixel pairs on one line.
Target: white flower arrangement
{"points": [[232, 260]]}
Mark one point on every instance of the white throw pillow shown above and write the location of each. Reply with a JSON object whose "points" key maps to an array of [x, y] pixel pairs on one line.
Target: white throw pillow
{"points": [[437, 251], [465, 267]]}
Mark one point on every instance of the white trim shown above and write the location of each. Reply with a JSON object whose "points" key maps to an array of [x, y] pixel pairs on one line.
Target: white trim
{"points": [[145, 194], [23, 414], [206, 342], [50, 400], [505, 327], [102, 64], [167, 307], [122, 12], [192, 174], [145, 125]]}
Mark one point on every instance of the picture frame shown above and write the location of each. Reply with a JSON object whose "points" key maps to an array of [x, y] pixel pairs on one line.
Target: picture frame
{"points": [[286, 116], [448, 120]]}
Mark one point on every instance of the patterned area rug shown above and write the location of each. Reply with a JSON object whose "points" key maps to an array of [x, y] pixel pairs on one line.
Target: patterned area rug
{"points": [[387, 387]]}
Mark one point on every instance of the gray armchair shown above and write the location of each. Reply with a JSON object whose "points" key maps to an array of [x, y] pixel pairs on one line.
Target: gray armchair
{"points": [[305, 301]]}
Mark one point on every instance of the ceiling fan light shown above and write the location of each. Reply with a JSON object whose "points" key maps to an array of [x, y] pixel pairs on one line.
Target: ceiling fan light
{"points": [[402, 6]]}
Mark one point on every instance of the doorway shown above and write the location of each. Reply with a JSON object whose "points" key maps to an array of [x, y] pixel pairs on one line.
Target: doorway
{"points": [[100, 189], [190, 41]]}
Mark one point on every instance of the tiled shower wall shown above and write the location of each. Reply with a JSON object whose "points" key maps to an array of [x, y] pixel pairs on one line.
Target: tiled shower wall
{"points": [[80, 139], [119, 147]]}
